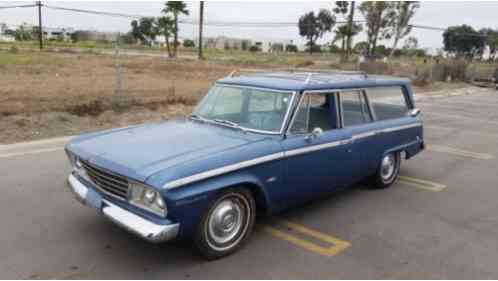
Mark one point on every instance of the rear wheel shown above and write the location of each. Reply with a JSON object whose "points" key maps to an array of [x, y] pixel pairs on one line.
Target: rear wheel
{"points": [[388, 170], [227, 224]]}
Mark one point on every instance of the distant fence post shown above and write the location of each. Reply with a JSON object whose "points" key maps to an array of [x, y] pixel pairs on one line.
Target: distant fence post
{"points": [[119, 68]]}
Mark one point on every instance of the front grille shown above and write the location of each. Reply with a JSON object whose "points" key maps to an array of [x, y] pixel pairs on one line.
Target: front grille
{"points": [[107, 182]]}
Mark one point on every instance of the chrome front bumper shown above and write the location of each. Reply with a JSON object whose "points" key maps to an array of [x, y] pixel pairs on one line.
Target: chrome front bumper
{"points": [[144, 228]]}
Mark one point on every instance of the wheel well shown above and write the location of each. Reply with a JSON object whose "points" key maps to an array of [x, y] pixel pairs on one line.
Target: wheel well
{"points": [[258, 195]]}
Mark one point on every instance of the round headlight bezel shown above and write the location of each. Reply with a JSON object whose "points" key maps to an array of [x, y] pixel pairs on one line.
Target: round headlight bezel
{"points": [[141, 196]]}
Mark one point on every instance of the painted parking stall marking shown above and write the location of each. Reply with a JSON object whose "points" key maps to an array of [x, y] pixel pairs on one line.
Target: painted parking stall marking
{"points": [[460, 152], [422, 184], [294, 234]]}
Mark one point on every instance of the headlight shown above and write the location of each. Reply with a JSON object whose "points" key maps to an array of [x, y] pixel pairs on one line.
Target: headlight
{"points": [[147, 198]]}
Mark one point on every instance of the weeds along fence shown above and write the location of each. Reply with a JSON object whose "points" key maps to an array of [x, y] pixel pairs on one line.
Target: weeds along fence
{"points": [[433, 70]]}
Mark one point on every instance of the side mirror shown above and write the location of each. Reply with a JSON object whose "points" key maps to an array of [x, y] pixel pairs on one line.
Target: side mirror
{"points": [[414, 112], [314, 134]]}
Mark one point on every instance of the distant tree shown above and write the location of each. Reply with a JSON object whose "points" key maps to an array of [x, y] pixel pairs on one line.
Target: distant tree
{"points": [[400, 21], [176, 8], [145, 30], [491, 41], [314, 27], [166, 28], [334, 49], [127, 38], [277, 47], [313, 48], [135, 32], [382, 50], [411, 43], [244, 45], [254, 49], [148, 28], [377, 15], [361, 48], [463, 40], [291, 48], [187, 43], [22, 34], [345, 32]]}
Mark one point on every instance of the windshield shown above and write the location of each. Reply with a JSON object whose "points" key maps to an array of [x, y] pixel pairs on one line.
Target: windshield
{"points": [[247, 108]]}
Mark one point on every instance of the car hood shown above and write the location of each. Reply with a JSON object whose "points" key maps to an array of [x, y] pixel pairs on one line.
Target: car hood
{"points": [[139, 152]]}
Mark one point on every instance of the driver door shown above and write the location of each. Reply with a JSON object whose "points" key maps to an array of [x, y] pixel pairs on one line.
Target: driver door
{"points": [[318, 152]]}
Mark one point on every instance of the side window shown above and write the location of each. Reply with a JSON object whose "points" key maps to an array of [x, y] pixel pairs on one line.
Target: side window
{"points": [[313, 112], [355, 109], [388, 102]]}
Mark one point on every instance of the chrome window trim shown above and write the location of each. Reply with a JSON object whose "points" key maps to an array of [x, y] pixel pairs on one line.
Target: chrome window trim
{"points": [[291, 123], [325, 91], [406, 97], [286, 116], [372, 111], [360, 94]]}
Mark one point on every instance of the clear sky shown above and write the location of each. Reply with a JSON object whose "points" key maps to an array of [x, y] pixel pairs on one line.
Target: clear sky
{"points": [[439, 14]]}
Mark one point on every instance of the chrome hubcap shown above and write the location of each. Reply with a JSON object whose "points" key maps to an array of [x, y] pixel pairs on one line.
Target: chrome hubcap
{"points": [[387, 167], [225, 221]]}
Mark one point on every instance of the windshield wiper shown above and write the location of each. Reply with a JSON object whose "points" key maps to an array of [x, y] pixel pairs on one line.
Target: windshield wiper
{"points": [[197, 117], [229, 123]]}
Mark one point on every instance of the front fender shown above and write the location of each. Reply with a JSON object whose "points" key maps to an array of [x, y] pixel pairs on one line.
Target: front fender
{"points": [[187, 204]]}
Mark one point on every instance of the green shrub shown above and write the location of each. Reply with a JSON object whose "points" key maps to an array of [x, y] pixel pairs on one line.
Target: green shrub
{"points": [[188, 43]]}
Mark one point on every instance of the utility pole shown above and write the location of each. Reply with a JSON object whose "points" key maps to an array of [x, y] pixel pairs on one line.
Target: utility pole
{"points": [[201, 23], [350, 28], [40, 30]]}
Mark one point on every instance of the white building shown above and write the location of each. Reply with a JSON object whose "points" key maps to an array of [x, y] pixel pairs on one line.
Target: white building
{"points": [[269, 45], [57, 33]]}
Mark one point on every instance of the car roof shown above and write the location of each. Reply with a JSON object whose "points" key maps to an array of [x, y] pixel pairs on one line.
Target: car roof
{"points": [[311, 81]]}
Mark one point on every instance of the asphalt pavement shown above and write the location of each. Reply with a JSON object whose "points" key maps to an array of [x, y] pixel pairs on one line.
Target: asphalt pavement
{"points": [[440, 220]]}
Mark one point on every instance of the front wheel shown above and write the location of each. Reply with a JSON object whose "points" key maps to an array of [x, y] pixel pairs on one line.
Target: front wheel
{"points": [[227, 223], [388, 170]]}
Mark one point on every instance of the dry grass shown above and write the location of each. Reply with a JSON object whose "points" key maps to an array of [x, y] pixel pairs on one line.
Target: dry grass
{"points": [[51, 93]]}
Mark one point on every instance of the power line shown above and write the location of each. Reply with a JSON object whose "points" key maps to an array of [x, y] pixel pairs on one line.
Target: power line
{"points": [[188, 21], [102, 13], [17, 6], [444, 29]]}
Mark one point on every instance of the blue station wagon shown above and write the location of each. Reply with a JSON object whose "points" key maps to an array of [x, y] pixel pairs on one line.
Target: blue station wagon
{"points": [[256, 144]]}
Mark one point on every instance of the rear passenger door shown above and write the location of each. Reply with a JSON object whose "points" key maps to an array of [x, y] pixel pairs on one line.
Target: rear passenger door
{"points": [[357, 120], [395, 128]]}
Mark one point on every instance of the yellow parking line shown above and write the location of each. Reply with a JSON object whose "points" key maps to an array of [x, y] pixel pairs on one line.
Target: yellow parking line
{"points": [[338, 245], [460, 152], [422, 184]]}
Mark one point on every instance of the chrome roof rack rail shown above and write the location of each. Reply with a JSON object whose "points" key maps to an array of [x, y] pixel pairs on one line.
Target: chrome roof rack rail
{"points": [[308, 78], [306, 72]]}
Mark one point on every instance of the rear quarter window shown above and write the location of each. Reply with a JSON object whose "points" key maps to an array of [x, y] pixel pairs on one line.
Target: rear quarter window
{"points": [[388, 102]]}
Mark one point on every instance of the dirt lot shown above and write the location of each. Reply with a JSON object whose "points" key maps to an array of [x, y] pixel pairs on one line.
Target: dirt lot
{"points": [[53, 94]]}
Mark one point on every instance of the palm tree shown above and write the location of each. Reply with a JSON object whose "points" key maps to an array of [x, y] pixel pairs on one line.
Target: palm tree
{"points": [[166, 27], [176, 8]]}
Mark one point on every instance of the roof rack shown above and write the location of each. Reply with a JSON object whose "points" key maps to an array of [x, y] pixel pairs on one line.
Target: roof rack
{"points": [[307, 74]]}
